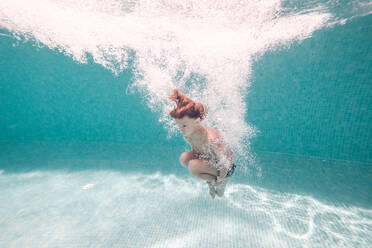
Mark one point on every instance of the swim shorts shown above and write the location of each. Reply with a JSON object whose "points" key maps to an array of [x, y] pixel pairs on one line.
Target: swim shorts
{"points": [[231, 170]]}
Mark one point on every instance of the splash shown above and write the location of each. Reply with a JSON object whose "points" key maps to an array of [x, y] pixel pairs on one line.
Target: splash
{"points": [[204, 48]]}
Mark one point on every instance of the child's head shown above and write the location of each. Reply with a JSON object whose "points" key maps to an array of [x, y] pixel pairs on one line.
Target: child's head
{"points": [[186, 107], [187, 113]]}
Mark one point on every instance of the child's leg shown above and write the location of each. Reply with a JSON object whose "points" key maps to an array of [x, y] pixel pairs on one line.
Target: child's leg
{"points": [[202, 169], [186, 157]]}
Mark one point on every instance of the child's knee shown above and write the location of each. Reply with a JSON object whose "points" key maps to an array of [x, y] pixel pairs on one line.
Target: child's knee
{"points": [[193, 166], [184, 159]]}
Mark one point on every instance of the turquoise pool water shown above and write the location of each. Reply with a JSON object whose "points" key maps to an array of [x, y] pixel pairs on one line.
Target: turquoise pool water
{"points": [[89, 156]]}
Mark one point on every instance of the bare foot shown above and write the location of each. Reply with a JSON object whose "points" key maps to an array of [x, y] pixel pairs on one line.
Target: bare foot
{"points": [[220, 188], [212, 190]]}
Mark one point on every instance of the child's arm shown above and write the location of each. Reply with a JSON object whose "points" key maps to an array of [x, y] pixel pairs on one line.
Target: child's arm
{"points": [[225, 157]]}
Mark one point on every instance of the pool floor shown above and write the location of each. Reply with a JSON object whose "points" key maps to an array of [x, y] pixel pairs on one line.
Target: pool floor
{"points": [[81, 201]]}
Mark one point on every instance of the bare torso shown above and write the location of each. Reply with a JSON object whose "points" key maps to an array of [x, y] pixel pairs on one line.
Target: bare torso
{"points": [[206, 144]]}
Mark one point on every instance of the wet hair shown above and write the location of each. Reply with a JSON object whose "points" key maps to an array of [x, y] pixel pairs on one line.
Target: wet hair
{"points": [[186, 106]]}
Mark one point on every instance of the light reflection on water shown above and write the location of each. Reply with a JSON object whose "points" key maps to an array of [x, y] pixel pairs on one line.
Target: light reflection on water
{"points": [[157, 210]]}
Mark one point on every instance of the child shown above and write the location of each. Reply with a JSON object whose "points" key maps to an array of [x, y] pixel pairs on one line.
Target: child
{"points": [[210, 159]]}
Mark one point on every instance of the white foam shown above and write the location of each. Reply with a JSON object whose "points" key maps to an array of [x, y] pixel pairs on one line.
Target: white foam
{"points": [[217, 40]]}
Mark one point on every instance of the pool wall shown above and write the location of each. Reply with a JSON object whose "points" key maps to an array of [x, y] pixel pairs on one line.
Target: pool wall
{"points": [[310, 99]]}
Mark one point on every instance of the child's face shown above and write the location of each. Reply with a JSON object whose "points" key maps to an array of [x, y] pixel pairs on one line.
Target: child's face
{"points": [[188, 125]]}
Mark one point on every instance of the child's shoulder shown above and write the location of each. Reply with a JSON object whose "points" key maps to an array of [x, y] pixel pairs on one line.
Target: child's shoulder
{"points": [[213, 135]]}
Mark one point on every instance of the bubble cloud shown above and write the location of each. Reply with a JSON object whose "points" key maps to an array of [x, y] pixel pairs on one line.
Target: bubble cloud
{"points": [[204, 48]]}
